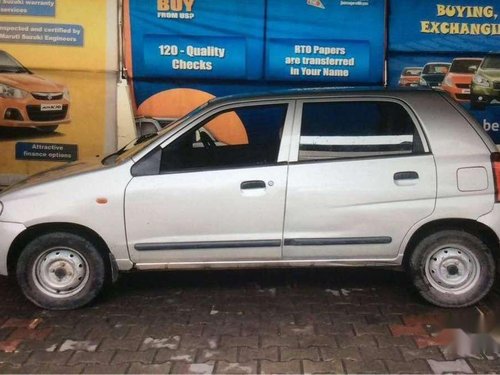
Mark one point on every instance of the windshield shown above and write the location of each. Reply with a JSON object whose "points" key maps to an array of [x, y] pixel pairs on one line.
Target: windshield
{"points": [[144, 141], [436, 69], [412, 72], [463, 66], [491, 62], [10, 65]]}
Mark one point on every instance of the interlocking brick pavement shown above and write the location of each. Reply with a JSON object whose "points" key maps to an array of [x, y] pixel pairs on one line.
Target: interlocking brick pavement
{"points": [[307, 321]]}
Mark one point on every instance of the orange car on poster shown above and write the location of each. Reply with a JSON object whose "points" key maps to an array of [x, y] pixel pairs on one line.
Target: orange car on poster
{"points": [[28, 100], [459, 78], [410, 76]]}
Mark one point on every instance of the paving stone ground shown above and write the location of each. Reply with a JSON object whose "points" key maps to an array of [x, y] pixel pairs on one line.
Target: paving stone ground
{"points": [[252, 321]]}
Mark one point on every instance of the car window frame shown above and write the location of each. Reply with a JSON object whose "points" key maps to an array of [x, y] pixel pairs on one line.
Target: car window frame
{"points": [[284, 147], [297, 127]]}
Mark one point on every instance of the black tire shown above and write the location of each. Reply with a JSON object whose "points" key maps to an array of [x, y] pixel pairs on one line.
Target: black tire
{"points": [[80, 256], [47, 129], [470, 251]]}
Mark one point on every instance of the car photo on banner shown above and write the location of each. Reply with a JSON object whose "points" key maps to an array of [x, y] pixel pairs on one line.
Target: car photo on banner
{"points": [[433, 74], [410, 77], [28, 100], [459, 78], [485, 88]]}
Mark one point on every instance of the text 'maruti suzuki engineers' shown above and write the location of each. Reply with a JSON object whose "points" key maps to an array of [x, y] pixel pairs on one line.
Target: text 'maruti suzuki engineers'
{"points": [[310, 177]]}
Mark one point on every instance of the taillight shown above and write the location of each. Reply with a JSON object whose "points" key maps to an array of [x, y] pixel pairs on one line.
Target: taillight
{"points": [[495, 163]]}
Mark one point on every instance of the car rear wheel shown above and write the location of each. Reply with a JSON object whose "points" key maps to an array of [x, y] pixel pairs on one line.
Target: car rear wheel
{"points": [[60, 271], [47, 129], [452, 268]]}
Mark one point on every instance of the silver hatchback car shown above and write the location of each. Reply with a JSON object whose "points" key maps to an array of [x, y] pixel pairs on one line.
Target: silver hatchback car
{"points": [[301, 178]]}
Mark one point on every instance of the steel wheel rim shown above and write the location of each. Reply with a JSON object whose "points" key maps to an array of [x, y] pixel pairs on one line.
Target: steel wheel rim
{"points": [[452, 269], [60, 272]]}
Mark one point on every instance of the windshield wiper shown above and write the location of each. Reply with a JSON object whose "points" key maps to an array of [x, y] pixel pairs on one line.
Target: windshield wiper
{"points": [[144, 138], [137, 141]]}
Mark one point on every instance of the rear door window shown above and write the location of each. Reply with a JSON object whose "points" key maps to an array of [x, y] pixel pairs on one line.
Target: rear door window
{"points": [[333, 130]]}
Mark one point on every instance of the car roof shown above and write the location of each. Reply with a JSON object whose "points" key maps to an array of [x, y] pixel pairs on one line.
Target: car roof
{"points": [[318, 92], [467, 58], [438, 63]]}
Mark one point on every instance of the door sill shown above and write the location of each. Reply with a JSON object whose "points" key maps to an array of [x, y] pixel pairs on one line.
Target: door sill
{"points": [[269, 264]]}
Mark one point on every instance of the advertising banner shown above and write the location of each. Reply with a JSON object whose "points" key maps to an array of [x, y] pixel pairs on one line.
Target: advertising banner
{"points": [[180, 53], [58, 71], [328, 41], [449, 46]]}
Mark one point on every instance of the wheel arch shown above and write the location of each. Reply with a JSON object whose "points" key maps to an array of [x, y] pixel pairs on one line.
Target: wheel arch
{"points": [[37, 230], [482, 231]]}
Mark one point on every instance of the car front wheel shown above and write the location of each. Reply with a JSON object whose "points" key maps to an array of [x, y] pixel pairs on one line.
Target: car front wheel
{"points": [[60, 271], [452, 268]]}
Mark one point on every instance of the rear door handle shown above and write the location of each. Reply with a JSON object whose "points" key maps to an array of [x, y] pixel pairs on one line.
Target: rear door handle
{"points": [[407, 175], [254, 184], [406, 178]]}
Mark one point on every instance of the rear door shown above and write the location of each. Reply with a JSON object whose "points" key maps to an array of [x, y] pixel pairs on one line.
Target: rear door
{"points": [[360, 176]]}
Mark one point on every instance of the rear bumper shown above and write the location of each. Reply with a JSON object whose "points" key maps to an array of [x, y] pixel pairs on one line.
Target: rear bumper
{"points": [[8, 233]]}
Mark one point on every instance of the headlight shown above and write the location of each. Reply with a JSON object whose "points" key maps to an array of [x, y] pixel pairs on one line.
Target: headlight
{"points": [[422, 82], [66, 94], [447, 81], [481, 81], [11, 92]]}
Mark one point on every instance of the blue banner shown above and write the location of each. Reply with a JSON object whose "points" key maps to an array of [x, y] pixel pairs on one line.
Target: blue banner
{"points": [[453, 47], [195, 56], [208, 29], [334, 41], [46, 151], [454, 26], [318, 60]]}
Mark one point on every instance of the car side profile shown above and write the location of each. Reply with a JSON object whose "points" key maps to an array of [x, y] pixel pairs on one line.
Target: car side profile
{"points": [[28, 100], [295, 179]]}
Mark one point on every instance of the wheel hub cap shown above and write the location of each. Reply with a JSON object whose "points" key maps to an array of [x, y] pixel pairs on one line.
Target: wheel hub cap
{"points": [[60, 272], [452, 269]]}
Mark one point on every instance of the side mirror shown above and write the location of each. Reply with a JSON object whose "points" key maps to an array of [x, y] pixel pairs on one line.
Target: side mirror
{"points": [[473, 68]]}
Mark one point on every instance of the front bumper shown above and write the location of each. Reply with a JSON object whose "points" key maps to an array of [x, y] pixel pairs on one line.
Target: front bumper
{"points": [[28, 112], [459, 94], [488, 93], [8, 233]]}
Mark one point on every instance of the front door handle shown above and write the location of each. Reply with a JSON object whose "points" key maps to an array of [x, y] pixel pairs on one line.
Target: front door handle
{"points": [[254, 184]]}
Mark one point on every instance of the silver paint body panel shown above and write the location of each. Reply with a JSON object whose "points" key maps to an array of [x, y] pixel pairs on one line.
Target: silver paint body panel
{"points": [[344, 198]]}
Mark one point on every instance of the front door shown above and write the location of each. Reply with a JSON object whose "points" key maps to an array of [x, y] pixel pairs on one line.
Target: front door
{"points": [[219, 194]]}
